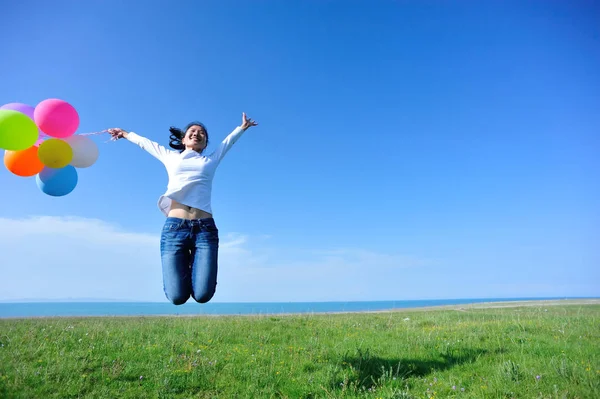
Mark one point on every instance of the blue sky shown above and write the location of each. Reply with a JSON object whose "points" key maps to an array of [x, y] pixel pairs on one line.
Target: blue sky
{"points": [[406, 150]]}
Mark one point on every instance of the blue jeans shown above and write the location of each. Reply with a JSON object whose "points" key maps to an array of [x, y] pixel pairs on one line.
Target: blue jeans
{"points": [[189, 251]]}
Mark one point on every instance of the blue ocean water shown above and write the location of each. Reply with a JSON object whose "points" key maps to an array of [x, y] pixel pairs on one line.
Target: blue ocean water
{"points": [[52, 309]]}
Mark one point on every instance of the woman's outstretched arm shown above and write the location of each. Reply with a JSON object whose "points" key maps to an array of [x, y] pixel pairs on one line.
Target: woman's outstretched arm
{"points": [[154, 149], [232, 137]]}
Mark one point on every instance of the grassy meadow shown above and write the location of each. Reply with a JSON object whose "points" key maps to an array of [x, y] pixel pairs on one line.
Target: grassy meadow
{"points": [[514, 352]]}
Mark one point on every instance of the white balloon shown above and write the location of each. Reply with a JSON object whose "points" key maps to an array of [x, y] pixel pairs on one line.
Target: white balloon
{"points": [[85, 151]]}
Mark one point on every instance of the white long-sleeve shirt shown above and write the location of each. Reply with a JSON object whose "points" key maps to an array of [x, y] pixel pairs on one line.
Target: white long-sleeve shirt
{"points": [[190, 173]]}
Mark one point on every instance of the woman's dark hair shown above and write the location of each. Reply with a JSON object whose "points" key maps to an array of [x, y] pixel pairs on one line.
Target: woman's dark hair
{"points": [[177, 135]]}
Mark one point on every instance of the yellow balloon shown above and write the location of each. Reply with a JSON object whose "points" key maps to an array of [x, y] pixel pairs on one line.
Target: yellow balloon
{"points": [[55, 153]]}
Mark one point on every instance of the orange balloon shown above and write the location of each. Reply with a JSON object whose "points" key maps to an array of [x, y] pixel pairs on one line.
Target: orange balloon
{"points": [[23, 163]]}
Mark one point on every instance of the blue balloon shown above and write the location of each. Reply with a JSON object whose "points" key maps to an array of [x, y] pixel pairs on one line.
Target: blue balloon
{"points": [[57, 182]]}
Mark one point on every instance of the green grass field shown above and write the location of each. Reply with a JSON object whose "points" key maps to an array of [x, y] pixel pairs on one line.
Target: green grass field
{"points": [[523, 352]]}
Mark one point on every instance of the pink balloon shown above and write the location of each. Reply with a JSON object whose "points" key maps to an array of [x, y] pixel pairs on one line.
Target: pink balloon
{"points": [[56, 118]]}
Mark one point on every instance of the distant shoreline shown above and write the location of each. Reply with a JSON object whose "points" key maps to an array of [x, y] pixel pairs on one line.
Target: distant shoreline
{"points": [[464, 307], [456, 307], [507, 304]]}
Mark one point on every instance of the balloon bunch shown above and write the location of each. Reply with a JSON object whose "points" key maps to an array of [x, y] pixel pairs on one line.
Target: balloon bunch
{"points": [[40, 141]]}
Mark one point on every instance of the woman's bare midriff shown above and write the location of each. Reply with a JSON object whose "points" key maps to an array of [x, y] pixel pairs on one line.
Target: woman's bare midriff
{"points": [[187, 212]]}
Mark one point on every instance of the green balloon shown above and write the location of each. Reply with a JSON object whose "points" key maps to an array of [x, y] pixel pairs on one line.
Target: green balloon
{"points": [[17, 130]]}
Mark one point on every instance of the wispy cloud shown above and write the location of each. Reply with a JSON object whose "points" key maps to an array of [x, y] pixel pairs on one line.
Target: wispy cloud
{"points": [[71, 257], [90, 230]]}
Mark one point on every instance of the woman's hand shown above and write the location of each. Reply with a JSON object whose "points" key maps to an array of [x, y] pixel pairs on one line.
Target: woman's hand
{"points": [[117, 133], [247, 122]]}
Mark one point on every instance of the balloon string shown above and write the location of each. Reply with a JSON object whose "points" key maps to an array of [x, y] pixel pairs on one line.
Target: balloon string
{"points": [[93, 133], [100, 132], [45, 136]]}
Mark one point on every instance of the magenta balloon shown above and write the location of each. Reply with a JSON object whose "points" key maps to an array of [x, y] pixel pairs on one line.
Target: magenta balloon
{"points": [[22, 108], [56, 118]]}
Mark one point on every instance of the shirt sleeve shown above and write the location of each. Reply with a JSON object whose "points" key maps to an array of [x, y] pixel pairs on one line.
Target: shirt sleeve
{"points": [[154, 149], [227, 143]]}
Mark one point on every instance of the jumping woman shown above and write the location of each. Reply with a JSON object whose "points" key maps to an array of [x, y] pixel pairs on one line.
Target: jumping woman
{"points": [[189, 242]]}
